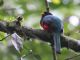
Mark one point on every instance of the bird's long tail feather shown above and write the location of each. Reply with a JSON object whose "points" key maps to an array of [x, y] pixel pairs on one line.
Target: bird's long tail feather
{"points": [[57, 43]]}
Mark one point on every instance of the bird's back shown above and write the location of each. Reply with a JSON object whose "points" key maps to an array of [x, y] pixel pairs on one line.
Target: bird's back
{"points": [[54, 22]]}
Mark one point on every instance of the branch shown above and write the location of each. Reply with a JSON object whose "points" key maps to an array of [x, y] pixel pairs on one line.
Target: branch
{"points": [[11, 27]]}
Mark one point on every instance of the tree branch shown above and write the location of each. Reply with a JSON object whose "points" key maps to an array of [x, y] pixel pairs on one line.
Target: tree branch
{"points": [[11, 27]]}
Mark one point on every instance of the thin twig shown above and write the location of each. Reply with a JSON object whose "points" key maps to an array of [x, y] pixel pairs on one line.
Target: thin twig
{"points": [[5, 37], [47, 5]]}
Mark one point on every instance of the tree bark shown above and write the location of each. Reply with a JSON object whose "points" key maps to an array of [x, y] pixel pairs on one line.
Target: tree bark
{"points": [[11, 27]]}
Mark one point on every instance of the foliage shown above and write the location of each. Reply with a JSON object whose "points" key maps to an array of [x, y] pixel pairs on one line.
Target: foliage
{"points": [[31, 10]]}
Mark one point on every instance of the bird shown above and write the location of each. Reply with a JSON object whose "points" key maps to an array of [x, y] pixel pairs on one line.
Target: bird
{"points": [[53, 25]]}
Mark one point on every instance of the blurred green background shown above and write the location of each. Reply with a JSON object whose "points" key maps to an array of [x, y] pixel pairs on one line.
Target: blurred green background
{"points": [[67, 10]]}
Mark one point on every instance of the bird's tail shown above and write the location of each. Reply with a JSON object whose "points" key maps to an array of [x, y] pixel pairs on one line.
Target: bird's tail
{"points": [[57, 43]]}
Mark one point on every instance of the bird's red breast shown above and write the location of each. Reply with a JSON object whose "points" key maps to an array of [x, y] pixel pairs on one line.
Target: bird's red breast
{"points": [[45, 26]]}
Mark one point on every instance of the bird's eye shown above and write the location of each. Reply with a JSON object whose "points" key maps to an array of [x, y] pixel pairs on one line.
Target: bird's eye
{"points": [[61, 30]]}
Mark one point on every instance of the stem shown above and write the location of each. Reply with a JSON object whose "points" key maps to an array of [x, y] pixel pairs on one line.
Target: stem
{"points": [[5, 37], [47, 5], [54, 53]]}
